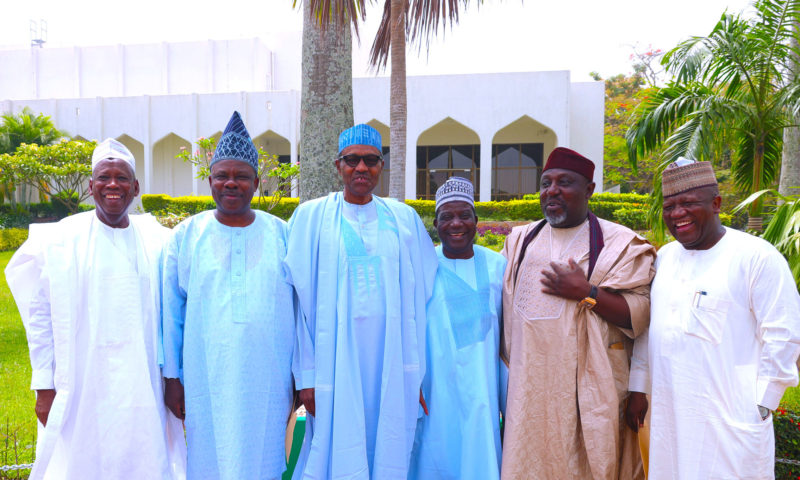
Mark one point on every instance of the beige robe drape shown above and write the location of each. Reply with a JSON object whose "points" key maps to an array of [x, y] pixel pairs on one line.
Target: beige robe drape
{"points": [[568, 376]]}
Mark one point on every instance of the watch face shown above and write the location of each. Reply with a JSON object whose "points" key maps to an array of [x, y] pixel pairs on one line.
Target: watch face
{"points": [[764, 411]]}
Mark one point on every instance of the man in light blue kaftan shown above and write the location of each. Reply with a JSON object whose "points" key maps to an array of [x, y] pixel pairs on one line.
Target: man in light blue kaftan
{"points": [[465, 383], [228, 325], [363, 268]]}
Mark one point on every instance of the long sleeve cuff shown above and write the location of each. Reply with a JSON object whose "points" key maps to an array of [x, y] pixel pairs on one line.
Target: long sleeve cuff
{"points": [[171, 371], [42, 379], [638, 382], [305, 380], [769, 394]]}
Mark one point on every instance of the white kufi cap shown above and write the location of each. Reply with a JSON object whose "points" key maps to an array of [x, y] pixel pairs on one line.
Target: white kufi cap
{"points": [[110, 148]]}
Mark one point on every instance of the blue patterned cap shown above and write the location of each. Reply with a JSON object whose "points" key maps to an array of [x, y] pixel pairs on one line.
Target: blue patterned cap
{"points": [[455, 189], [236, 144], [361, 134]]}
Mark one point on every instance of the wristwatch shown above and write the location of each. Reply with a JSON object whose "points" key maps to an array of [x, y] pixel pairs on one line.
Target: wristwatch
{"points": [[590, 301], [764, 411]]}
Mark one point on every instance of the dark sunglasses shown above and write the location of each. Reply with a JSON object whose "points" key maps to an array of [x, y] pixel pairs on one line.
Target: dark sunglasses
{"points": [[352, 161]]}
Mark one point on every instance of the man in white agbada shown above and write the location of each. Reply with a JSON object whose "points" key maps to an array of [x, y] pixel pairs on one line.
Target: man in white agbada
{"points": [[465, 382], [723, 340], [87, 289], [229, 325], [363, 268]]}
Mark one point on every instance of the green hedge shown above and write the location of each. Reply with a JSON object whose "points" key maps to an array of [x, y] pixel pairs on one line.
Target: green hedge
{"points": [[164, 204], [21, 216], [787, 442], [606, 197], [12, 238], [511, 210]]}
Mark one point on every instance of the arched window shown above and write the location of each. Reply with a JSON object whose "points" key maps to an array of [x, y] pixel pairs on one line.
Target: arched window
{"points": [[437, 163], [516, 169]]}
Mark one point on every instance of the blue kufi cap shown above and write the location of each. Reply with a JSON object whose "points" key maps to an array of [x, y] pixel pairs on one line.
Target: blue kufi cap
{"points": [[361, 134], [236, 144]]}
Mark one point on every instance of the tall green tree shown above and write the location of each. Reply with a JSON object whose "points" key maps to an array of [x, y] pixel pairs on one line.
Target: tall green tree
{"points": [[730, 89], [623, 93], [60, 171], [402, 21]]}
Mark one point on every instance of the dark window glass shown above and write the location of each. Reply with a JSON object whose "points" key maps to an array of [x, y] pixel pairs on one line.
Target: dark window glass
{"points": [[437, 163], [516, 169], [382, 189], [438, 157], [506, 156]]}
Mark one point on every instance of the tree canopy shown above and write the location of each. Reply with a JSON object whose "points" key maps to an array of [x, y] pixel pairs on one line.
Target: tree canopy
{"points": [[26, 127], [730, 90]]}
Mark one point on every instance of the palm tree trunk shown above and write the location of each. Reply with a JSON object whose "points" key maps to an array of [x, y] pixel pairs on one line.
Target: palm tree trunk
{"points": [[790, 162], [326, 103], [755, 222], [398, 109]]}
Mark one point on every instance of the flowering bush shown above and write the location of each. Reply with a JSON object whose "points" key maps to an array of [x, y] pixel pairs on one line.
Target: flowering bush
{"points": [[787, 443], [491, 240], [493, 229]]}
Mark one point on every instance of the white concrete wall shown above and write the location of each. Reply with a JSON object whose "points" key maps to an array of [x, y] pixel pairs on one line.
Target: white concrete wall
{"points": [[148, 92], [484, 103], [215, 66], [586, 115]]}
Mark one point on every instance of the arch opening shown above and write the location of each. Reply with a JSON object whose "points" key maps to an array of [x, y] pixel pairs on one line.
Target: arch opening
{"points": [[171, 176], [518, 153], [447, 149]]}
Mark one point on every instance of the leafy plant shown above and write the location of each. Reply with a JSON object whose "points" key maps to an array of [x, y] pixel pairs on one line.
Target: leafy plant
{"points": [[783, 230], [730, 92], [269, 166], [59, 171], [787, 442]]}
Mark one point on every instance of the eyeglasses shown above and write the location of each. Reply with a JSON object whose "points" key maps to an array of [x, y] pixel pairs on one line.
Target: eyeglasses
{"points": [[352, 161]]}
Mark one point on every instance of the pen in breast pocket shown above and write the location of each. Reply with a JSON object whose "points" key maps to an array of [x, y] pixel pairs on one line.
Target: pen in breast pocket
{"points": [[698, 296]]}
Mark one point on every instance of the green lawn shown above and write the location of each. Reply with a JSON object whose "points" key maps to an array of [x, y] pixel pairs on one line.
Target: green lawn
{"points": [[17, 420]]}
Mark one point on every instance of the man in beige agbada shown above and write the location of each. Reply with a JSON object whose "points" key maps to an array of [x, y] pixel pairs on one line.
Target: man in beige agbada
{"points": [[575, 294]]}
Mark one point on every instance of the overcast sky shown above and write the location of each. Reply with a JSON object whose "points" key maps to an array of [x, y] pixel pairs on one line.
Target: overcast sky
{"points": [[497, 36]]}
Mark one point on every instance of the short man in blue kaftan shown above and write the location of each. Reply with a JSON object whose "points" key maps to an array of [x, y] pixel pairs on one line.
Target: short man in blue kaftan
{"points": [[464, 385], [228, 325], [363, 268]]}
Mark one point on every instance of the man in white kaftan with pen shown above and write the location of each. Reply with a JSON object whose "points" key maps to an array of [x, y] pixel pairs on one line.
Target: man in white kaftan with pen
{"points": [[723, 341], [363, 268], [465, 382], [229, 325], [87, 290]]}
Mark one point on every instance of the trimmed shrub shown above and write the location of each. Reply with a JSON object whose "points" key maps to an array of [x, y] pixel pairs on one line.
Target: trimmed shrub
{"points": [[23, 215], [605, 197], [633, 218], [510, 210], [12, 238], [14, 217], [787, 442], [490, 240], [163, 205]]}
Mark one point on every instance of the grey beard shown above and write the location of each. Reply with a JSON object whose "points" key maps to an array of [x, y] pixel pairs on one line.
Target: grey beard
{"points": [[557, 219]]}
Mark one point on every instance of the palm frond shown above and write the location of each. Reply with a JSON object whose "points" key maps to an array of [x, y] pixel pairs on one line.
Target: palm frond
{"points": [[743, 160], [379, 53], [684, 118], [423, 21], [336, 12], [783, 229]]}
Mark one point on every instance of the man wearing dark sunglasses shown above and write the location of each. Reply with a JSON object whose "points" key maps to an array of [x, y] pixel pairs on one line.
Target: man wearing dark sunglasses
{"points": [[363, 268]]}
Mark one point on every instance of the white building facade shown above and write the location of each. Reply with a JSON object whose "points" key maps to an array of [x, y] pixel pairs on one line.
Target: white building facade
{"points": [[495, 129]]}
